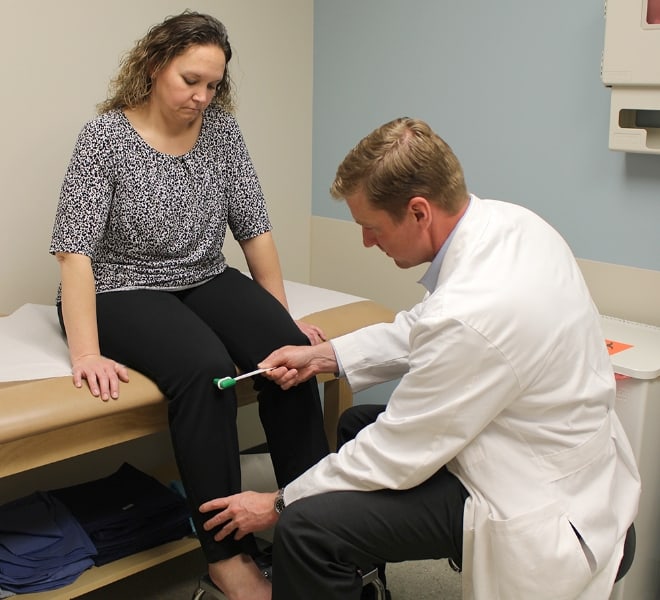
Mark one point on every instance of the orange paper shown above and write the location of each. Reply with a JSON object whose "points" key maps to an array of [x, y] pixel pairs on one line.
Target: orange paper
{"points": [[614, 347]]}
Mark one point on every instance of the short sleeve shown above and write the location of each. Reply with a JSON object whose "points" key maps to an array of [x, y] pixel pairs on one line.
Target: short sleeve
{"points": [[85, 195], [247, 211]]}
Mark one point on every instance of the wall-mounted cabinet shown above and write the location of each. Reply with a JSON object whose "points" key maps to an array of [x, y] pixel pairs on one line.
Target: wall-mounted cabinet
{"points": [[632, 70]]}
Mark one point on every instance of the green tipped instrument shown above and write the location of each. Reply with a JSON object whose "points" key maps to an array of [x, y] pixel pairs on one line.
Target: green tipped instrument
{"points": [[222, 383]]}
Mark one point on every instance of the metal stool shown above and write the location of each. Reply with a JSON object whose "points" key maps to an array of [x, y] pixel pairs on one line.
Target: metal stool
{"points": [[371, 578], [206, 586]]}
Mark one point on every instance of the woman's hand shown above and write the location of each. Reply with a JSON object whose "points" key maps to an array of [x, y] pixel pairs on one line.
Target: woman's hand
{"points": [[314, 334], [79, 312], [102, 374]]}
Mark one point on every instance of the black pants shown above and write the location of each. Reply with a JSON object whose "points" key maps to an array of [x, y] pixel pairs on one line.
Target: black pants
{"points": [[182, 341], [322, 540]]}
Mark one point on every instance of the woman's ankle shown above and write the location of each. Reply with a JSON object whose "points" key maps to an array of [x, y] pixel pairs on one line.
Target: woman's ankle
{"points": [[239, 578]]}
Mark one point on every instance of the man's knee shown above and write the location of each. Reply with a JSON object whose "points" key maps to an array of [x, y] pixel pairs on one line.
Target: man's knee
{"points": [[291, 527]]}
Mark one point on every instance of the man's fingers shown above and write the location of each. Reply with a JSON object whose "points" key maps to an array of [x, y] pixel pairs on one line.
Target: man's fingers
{"points": [[215, 504]]}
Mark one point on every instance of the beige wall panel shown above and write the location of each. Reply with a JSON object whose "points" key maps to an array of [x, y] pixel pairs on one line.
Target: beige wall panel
{"points": [[340, 261], [624, 292]]}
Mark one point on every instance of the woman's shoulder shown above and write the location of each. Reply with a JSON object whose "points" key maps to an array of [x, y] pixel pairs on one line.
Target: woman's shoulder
{"points": [[101, 135], [216, 116], [107, 123]]}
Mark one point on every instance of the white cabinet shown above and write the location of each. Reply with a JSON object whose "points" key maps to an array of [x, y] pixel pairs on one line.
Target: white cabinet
{"points": [[638, 408], [631, 69]]}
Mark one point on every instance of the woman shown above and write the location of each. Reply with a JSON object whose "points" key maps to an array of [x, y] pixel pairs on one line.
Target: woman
{"points": [[154, 181]]}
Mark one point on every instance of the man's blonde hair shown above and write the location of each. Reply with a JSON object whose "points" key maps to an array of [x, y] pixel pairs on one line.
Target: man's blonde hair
{"points": [[398, 161]]}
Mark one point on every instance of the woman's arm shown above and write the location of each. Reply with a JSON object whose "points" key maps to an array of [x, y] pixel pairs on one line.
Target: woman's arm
{"points": [[79, 313], [264, 264]]}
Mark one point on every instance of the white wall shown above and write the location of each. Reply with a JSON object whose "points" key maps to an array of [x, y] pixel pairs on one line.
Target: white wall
{"points": [[515, 88], [58, 58]]}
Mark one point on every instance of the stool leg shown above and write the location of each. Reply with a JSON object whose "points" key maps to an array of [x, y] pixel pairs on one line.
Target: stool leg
{"points": [[198, 594], [207, 587], [371, 578], [380, 589]]}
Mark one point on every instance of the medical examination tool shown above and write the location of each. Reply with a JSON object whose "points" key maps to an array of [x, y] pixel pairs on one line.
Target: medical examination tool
{"points": [[227, 382]]}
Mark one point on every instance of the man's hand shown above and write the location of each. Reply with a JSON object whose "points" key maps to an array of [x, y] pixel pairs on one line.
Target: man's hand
{"points": [[294, 364], [242, 513]]}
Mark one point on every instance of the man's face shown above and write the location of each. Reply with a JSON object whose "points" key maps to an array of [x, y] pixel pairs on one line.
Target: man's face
{"points": [[401, 241]]}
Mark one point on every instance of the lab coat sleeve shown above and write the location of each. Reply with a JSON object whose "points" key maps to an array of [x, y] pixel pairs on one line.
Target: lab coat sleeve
{"points": [[376, 353], [456, 384]]}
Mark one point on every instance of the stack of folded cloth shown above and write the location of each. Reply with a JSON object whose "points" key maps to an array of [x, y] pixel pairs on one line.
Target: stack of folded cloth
{"points": [[42, 546], [126, 512]]}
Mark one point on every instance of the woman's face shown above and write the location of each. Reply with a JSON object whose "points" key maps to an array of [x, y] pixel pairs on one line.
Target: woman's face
{"points": [[186, 85]]}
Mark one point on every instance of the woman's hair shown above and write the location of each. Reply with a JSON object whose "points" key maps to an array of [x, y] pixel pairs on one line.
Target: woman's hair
{"points": [[398, 161], [163, 42]]}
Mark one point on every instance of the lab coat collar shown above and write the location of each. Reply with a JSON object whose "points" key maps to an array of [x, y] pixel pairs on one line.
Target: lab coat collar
{"points": [[430, 279]]}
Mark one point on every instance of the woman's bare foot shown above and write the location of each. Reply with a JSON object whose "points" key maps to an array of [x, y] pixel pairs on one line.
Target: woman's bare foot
{"points": [[239, 578]]}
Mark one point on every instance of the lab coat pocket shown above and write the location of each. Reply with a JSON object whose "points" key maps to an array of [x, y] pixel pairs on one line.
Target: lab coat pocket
{"points": [[538, 555]]}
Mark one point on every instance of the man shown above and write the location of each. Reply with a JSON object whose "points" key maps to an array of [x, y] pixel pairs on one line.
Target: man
{"points": [[499, 448]]}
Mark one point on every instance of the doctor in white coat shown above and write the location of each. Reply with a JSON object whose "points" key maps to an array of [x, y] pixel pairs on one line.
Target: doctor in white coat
{"points": [[499, 447]]}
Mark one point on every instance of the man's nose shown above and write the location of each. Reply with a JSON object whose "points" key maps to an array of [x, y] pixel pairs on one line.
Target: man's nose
{"points": [[368, 238]]}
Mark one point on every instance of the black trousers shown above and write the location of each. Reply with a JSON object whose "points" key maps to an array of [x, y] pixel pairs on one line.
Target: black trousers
{"points": [[321, 541], [182, 341]]}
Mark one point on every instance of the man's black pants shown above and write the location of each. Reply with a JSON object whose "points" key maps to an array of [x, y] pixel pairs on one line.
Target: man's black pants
{"points": [[321, 541]]}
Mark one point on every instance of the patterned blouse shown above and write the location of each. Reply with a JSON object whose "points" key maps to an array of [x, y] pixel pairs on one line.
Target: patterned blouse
{"points": [[153, 220]]}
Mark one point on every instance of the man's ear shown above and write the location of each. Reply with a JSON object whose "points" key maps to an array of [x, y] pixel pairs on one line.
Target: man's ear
{"points": [[420, 209]]}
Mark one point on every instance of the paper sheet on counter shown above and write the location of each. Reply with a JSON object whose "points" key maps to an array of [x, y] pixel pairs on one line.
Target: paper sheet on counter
{"points": [[32, 345]]}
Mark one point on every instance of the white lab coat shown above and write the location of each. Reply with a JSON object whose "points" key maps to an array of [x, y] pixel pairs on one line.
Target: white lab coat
{"points": [[506, 379]]}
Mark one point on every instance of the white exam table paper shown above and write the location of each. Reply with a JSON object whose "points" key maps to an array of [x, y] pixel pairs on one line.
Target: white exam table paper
{"points": [[32, 345]]}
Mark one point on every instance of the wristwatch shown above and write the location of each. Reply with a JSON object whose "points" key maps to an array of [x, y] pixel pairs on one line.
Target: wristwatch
{"points": [[279, 502]]}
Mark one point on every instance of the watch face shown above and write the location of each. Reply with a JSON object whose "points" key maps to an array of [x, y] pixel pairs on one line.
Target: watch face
{"points": [[279, 503]]}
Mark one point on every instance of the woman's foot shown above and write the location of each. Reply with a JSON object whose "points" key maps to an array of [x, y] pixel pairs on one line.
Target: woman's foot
{"points": [[239, 578]]}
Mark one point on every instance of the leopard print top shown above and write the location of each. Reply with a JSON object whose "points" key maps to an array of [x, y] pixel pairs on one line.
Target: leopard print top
{"points": [[153, 220]]}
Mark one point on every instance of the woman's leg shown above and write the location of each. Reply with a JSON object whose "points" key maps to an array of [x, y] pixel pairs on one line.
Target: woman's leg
{"points": [[156, 334], [252, 323]]}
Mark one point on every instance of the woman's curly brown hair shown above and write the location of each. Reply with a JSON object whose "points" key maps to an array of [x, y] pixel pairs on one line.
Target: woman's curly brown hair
{"points": [[132, 85]]}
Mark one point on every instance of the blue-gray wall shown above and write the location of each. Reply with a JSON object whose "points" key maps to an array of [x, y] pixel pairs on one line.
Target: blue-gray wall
{"points": [[513, 86]]}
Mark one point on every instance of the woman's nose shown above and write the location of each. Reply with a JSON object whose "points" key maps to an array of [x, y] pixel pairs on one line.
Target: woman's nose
{"points": [[203, 95]]}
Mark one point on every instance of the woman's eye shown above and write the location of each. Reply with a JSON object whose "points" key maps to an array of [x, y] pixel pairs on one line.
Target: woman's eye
{"points": [[189, 81]]}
